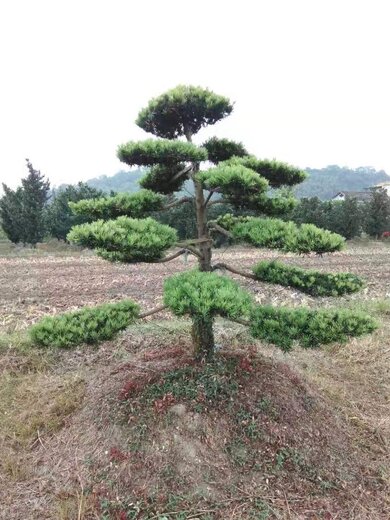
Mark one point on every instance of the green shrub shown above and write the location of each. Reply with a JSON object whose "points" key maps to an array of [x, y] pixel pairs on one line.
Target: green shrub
{"points": [[134, 205], [282, 326], [308, 281], [125, 239], [205, 294], [88, 325]]}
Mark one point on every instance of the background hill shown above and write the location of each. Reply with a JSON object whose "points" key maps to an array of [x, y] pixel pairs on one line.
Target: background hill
{"points": [[323, 183], [122, 181]]}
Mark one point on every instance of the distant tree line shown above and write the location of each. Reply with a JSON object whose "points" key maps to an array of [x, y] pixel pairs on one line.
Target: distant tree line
{"points": [[31, 212], [349, 218]]}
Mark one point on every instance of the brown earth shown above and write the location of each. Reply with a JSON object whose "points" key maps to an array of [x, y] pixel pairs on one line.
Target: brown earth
{"points": [[36, 286], [104, 433]]}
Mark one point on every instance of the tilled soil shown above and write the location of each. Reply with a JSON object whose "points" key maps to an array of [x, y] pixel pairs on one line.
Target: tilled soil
{"points": [[34, 286]]}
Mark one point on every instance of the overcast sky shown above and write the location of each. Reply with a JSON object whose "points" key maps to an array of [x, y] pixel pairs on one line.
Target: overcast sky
{"points": [[310, 78]]}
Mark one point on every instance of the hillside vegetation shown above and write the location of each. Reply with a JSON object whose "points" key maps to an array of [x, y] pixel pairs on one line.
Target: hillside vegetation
{"points": [[323, 183]]}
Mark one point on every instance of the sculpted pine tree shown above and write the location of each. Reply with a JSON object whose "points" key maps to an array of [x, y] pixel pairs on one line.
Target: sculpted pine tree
{"points": [[122, 233]]}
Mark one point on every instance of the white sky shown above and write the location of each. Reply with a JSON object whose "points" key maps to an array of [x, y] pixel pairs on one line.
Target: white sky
{"points": [[310, 78]]}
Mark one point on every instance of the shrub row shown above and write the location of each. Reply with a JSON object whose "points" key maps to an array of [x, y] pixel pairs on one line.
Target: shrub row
{"points": [[308, 281], [282, 326], [88, 325]]}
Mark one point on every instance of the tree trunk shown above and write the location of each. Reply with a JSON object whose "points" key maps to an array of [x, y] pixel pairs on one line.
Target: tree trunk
{"points": [[202, 328], [203, 338]]}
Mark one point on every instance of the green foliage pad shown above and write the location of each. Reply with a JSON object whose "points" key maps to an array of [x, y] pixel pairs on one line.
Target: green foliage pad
{"points": [[182, 110], [135, 205], [223, 149], [159, 151], [205, 294], [308, 281], [125, 239], [277, 173], [282, 326], [88, 325], [278, 234], [237, 183]]}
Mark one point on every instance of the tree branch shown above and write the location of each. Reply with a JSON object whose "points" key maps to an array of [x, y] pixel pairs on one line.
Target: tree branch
{"points": [[185, 170], [234, 270], [171, 257], [153, 311], [194, 251], [211, 193], [221, 230], [177, 203]]}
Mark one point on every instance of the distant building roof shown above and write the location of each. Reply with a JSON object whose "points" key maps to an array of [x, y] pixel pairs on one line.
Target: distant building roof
{"points": [[359, 195]]}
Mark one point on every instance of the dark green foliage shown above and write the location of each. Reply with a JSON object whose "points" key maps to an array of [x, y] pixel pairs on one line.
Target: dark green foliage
{"points": [[222, 149], [311, 211], [159, 151], [277, 205], [277, 173], [135, 205], [285, 236], [238, 184], [282, 326], [11, 214], [205, 294], [308, 281], [160, 178], [60, 218], [22, 212], [378, 213], [346, 218], [88, 325], [183, 219], [326, 182], [35, 195], [183, 110], [125, 239]]}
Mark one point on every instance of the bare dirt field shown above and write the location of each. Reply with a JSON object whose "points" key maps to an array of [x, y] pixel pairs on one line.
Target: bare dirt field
{"points": [[99, 433], [38, 285]]}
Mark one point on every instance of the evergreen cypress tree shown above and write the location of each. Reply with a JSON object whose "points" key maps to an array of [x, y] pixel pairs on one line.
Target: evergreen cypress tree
{"points": [[35, 195], [60, 218], [122, 232], [11, 213], [378, 214]]}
